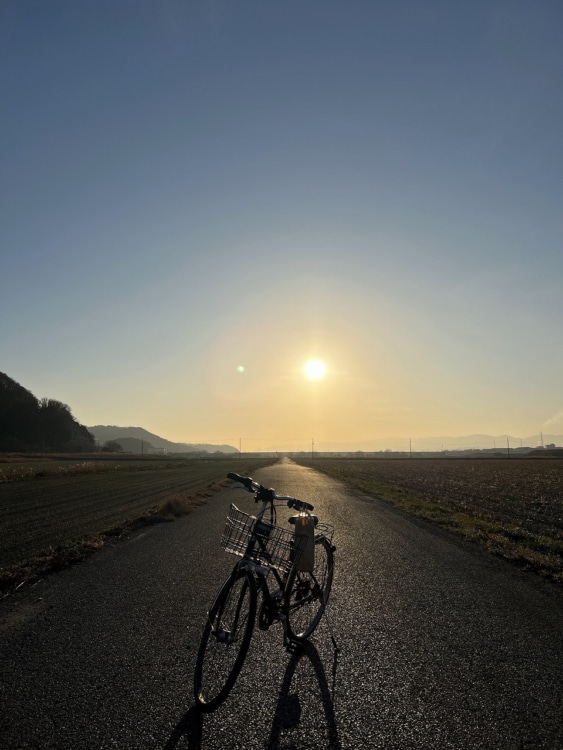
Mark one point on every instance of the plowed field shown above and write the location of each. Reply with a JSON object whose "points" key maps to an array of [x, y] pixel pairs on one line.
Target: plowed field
{"points": [[513, 506], [526, 492], [48, 510]]}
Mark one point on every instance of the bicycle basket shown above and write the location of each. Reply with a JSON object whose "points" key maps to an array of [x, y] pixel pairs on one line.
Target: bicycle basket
{"points": [[324, 529], [274, 546]]}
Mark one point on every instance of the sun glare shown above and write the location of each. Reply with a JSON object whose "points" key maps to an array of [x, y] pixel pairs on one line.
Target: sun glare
{"points": [[315, 369]]}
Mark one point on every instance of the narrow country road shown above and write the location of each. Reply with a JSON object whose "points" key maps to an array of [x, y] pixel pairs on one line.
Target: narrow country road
{"points": [[441, 645]]}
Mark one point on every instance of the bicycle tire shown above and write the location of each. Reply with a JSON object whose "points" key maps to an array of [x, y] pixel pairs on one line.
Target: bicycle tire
{"points": [[306, 594], [225, 640]]}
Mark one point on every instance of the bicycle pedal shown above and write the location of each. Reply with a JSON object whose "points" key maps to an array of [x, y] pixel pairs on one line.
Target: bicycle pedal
{"points": [[266, 616]]}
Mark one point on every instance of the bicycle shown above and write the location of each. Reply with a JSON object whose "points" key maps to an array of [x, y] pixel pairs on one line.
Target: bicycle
{"points": [[298, 597]]}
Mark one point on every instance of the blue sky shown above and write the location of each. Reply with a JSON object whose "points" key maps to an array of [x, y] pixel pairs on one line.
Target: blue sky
{"points": [[192, 188]]}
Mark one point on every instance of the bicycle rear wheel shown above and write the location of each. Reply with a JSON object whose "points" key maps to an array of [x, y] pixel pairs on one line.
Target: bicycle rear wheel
{"points": [[225, 640], [306, 594]]}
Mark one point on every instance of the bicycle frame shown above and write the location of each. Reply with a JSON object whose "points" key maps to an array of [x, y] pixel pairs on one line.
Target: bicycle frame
{"points": [[273, 603], [296, 596], [274, 607]]}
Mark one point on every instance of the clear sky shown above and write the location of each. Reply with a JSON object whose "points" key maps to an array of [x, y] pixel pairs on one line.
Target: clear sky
{"points": [[197, 198]]}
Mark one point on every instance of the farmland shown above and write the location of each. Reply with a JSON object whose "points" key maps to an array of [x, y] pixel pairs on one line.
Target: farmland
{"points": [[514, 507], [53, 512]]}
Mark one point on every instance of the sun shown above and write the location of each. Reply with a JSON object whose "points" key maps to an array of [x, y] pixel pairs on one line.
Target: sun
{"points": [[315, 369]]}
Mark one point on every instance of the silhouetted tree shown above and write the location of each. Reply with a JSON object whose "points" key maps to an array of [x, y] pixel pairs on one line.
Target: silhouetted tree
{"points": [[56, 423], [29, 424], [19, 421], [112, 446]]}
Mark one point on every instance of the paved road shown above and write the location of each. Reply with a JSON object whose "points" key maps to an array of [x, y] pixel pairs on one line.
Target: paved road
{"points": [[441, 645]]}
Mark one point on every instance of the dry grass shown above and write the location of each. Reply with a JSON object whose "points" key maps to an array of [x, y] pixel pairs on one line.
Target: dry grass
{"points": [[181, 504]]}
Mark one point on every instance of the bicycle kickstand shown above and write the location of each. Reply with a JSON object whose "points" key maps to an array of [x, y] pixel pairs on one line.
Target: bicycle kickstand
{"points": [[334, 643]]}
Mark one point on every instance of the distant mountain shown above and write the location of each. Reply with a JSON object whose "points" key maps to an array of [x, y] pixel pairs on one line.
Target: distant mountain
{"points": [[482, 441], [139, 440], [134, 445], [443, 443], [490, 441]]}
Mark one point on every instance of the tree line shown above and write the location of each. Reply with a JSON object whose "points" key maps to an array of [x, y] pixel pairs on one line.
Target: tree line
{"points": [[40, 425]]}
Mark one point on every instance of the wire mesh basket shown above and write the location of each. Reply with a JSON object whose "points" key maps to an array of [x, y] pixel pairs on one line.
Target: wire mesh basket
{"points": [[324, 529], [274, 546]]}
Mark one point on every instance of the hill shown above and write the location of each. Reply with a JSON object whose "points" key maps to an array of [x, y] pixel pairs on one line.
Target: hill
{"points": [[139, 440], [31, 424]]}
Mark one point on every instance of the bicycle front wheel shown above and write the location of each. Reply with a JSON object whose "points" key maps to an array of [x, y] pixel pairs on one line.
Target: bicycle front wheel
{"points": [[225, 640], [306, 594]]}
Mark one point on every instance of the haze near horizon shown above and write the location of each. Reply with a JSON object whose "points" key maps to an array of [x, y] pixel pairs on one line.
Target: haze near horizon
{"points": [[279, 222]]}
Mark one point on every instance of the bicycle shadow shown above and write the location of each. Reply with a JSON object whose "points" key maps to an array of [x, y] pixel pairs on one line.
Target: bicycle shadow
{"points": [[189, 729], [288, 709]]}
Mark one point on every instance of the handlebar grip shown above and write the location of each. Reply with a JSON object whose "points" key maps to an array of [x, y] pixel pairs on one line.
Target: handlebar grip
{"points": [[247, 481], [300, 505]]}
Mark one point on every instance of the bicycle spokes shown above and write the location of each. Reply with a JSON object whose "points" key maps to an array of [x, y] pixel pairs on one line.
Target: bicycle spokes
{"points": [[307, 593], [305, 588], [225, 640]]}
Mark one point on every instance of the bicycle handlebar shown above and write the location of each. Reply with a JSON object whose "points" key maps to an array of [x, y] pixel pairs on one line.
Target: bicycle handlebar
{"points": [[252, 486], [293, 502], [248, 482]]}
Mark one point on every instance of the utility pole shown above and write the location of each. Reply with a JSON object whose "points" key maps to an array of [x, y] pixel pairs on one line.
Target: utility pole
{"points": [[312, 448]]}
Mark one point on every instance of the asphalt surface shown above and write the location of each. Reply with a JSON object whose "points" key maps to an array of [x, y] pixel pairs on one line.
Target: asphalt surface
{"points": [[441, 645]]}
